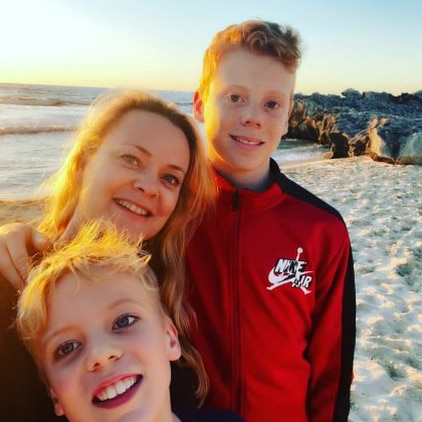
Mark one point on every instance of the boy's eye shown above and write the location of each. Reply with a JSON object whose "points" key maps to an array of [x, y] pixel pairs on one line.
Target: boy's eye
{"points": [[124, 321], [173, 180], [130, 159], [272, 105], [234, 98], [65, 349]]}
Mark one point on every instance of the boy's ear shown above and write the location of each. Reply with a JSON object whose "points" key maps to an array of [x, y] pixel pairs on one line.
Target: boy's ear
{"points": [[198, 107], [57, 407], [173, 346], [286, 125]]}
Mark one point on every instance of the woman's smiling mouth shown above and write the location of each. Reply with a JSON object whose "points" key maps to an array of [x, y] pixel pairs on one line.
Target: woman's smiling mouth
{"points": [[132, 207]]}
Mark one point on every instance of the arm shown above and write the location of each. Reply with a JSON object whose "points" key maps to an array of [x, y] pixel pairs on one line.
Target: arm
{"points": [[331, 347], [22, 394], [18, 242]]}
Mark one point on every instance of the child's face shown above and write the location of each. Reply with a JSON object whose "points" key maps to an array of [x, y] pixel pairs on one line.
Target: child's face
{"points": [[245, 114], [106, 350], [135, 176]]}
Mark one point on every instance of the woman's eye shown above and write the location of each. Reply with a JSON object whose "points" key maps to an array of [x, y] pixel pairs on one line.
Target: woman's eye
{"points": [[124, 321], [173, 180], [130, 159], [272, 105], [65, 349]]}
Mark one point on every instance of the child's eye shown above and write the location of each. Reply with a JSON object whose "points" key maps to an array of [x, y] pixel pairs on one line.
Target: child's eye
{"points": [[172, 179], [272, 105], [130, 159], [65, 349], [234, 98], [124, 321]]}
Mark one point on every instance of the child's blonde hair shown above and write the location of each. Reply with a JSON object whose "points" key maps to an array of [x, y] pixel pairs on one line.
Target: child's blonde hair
{"points": [[257, 36], [97, 245]]}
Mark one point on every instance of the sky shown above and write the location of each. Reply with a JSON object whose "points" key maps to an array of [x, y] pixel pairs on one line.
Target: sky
{"points": [[367, 45]]}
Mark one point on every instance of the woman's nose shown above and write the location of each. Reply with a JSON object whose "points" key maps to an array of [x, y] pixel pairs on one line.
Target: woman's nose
{"points": [[146, 183]]}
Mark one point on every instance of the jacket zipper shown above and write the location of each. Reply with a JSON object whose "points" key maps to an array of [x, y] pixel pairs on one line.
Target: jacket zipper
{"points": [[236, 313]]}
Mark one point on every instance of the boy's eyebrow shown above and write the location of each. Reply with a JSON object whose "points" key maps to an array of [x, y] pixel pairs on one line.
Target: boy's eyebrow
{"points": [[56, 333], [269, 92], [70, 327]]}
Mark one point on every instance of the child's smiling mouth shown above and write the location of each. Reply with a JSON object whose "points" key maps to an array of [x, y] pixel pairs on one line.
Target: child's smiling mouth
{"points": [[118, 392], [246, 141]]}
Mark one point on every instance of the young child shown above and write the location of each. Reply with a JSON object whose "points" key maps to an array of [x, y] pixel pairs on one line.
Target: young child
{"points": [[92, 319], [271, 269]]}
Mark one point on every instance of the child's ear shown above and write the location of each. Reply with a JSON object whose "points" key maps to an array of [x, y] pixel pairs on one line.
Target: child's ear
{"points": [[173, 346], [57, 407], [198, 107], [286, 125]]}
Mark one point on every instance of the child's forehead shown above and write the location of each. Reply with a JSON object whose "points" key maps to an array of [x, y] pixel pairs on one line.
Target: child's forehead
{"points": [[104, 279], [241, 56], [255, 72]]}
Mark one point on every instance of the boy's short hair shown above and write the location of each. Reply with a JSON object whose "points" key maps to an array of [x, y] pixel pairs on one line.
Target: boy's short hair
{"points": [[97, 245], [257, 36]]}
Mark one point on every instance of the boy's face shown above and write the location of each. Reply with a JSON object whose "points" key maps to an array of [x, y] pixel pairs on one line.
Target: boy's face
{"points": [[245, 113], [106, 350]]}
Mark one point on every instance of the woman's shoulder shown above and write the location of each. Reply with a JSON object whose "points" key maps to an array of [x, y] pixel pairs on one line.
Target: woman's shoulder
{"points": [[207, 415]]}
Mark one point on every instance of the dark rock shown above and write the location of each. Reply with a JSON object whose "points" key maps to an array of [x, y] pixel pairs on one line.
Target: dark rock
{"points": [[339, 145], [378, 124]]}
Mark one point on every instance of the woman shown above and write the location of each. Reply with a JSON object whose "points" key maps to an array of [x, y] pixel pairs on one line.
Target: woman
{"points": [[138, 161]]}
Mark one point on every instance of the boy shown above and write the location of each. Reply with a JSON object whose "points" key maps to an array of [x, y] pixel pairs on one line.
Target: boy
{"points": [[271, 270], [91, 317]]}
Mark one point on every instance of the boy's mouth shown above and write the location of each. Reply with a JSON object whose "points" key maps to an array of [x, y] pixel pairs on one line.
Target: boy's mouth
{"points": [[118, 392], [246, 141]]}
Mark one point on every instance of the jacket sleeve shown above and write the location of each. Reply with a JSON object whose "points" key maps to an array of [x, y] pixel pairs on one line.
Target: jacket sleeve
{"points": [[332, 342]]}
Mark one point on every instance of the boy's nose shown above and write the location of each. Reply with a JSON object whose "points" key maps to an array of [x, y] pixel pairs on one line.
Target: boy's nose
{"points": [[251, 116], [101, 355]]}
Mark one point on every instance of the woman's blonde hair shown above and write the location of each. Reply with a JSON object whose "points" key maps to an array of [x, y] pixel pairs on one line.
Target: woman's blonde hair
{"points": [[168, 246], [97, 245]]}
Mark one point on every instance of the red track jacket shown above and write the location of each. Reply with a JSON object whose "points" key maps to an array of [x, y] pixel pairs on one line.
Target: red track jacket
{"points": [[272, 284]]}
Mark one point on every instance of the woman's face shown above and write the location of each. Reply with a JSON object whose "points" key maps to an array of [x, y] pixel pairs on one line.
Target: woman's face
{"points": [[135, 176]]}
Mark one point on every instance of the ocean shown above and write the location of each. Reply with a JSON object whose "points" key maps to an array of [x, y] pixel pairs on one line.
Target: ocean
{"points": [[37, 123]]}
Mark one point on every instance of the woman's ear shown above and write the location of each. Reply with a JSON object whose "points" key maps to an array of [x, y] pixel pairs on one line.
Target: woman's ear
{"points": [[173, 346], [198, 107], [57, 407]]}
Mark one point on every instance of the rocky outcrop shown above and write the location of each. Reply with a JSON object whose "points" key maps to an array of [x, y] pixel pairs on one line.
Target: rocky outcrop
{"points": [[385, 127]]}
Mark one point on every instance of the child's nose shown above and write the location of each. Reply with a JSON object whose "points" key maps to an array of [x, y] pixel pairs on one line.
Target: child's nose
{"points": [[102, 354], [252, 115]]}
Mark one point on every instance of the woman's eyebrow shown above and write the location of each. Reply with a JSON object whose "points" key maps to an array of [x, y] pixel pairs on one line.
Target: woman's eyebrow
{"points": [[149, 154]]}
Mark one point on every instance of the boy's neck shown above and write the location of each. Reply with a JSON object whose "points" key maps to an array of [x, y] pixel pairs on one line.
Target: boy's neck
{"points": [[256, 181]]}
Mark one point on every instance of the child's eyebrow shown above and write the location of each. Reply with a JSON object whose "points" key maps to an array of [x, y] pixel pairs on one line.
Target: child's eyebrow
{"points": [[71, 327], [56, 333]]}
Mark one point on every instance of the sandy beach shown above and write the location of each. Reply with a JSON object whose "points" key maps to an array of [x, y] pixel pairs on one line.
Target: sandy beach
{"points": [[382, 207], [24, 210]]}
